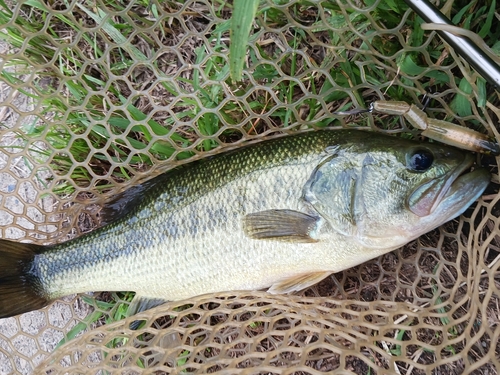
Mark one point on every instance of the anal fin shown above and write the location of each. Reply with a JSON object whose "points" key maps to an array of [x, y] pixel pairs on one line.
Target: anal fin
{"points": [[281, 225], [296, 283], [142, 303]]}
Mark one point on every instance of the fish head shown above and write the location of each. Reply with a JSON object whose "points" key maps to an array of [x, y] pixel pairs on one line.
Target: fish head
{"points": [[385, 192]]}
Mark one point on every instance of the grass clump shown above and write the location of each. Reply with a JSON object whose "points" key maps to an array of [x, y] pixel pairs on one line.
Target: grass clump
{"points": [[128, 87], [123, 88]]}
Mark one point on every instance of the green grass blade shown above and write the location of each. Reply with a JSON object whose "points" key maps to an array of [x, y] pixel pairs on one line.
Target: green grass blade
{"points": [[105, 22], [482, 92], [489, 19], [460, 104], [241, 23]]}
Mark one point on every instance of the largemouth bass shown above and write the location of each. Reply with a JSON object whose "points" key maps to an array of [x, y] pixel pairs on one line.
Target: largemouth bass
{"points": [[281, 214]]}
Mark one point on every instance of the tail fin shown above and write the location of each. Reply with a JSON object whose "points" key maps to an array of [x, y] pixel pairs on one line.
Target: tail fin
{"points": [[20, 288]]}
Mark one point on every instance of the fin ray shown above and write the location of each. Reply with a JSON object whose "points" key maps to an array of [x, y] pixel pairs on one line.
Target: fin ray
{"points": [[281, 225], [126, 201], [142, 303], [20, 291], [297, 283]]}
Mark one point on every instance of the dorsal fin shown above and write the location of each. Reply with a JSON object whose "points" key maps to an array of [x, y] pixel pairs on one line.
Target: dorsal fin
{"points": [[125, 202]]}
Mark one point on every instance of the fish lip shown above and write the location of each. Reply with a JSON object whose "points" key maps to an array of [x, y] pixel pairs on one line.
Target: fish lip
{"points": [[454, 176], [434, 194]]}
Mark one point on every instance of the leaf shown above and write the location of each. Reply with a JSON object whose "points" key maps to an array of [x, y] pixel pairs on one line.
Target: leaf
{"points": [[156, 127], [409, 67], [393, 5], [119, 122], [80, 327], [496, 48], [489, 18], [417, 35], [456, 19], [460, 104], [482, 94], [241, 23], [75, 89], [104, 20]]}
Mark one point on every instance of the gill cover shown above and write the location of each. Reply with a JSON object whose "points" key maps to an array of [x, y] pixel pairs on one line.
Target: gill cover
{"points": [[331, 191], [380, 198], [355, 193]]}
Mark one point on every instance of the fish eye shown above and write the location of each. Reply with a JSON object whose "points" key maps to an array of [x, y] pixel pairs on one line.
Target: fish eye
{"points": [[420, 160]]}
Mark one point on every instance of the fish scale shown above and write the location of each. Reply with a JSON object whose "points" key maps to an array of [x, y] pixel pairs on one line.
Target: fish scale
{"points": [[268, 215], [249, 174]]}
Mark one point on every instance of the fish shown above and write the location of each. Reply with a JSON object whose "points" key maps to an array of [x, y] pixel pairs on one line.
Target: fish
{"points": [[280, 215]]}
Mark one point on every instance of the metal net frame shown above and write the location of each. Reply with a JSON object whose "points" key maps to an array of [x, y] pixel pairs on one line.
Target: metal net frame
{"points": [[99, 95]]}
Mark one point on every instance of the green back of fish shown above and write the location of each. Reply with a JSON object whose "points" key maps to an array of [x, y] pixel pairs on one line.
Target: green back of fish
{"points": [[213, 173]]}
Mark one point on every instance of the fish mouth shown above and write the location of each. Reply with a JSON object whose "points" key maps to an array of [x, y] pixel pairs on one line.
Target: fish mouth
{"points": [[455, 189]]}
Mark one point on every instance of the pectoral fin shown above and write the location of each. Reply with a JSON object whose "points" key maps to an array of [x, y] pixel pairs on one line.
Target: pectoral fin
{"points": [[297, 283], [281, 225]]}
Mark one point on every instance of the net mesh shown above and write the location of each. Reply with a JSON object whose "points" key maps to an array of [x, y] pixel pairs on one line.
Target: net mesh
{"points": [[99, 95]]}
